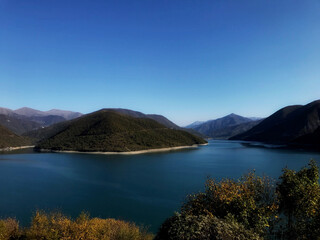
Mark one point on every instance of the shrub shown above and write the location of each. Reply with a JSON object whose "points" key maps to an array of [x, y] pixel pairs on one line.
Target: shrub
{"points": [[204, 227], [9, 229], [250, 200], [56, 226], [251, 208], [299, 197]]}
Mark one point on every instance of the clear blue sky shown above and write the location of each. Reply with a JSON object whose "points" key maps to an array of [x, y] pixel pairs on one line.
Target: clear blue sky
{"points": [[188, 60]]}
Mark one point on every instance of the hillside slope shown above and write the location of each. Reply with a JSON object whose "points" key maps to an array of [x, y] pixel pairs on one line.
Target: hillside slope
{"points": [[288, 125], [17, 124], [310, 139], [68, 115], [9, 139], [26, 119], [109, 131], [228, 132], [223, 128], [47, 132], [159, 118]]}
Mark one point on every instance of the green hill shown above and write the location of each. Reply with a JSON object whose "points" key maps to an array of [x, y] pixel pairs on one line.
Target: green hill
{"points": [[10, 139], [108, 131]]}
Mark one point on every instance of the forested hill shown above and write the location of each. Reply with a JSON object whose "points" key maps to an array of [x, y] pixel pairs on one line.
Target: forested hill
{"points": [[109, 131], [10, 139], [295, 124]]}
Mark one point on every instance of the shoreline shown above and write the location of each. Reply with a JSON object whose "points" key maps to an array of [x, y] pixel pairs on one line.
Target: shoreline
{"points": [[155, 150], [8, 149]]}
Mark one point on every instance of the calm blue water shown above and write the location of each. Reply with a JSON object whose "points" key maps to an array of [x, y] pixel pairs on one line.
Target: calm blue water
{"points": [[144, 188]]}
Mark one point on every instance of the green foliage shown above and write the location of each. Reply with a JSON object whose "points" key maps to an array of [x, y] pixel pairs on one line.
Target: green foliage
{"points": [[249, 200], [251, 208], [299, 197], [10, 139], [55, 226], [113, 132], [204, 227]]}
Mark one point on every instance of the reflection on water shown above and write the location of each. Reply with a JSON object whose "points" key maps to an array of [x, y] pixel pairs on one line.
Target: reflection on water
{"points": [[143, 188]]}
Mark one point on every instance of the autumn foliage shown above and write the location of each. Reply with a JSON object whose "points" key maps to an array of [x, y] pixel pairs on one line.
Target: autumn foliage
{"points": [[251, 207], [56, 226]]}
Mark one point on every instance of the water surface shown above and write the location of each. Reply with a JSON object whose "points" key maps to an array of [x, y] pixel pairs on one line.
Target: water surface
{"points": [[145, 188]]}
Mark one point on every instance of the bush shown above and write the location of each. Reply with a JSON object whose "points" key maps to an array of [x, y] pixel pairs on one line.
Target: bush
{"points": [[56, 226], [251, 208], [9, 229], [204, 227], [250, 200], [299, 197]]}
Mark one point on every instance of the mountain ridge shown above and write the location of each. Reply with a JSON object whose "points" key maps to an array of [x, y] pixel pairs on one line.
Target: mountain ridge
{"points": [[26, 119], [289, 125], [224, 127]]}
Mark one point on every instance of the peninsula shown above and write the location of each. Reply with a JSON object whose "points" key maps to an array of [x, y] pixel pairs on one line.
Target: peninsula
{"points": [[110, 131]]}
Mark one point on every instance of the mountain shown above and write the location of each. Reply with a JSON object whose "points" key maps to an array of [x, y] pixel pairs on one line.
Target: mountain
{"points": [[68, 115], [45, 121], [159, 118], [5, 111], [9, 139], [29, 112], [18, 124], [223, 128], [310, 139], [27, 119], [49, 131], [255, 118], [194, 124], [227, 132], [110, 131], [289, 125]]}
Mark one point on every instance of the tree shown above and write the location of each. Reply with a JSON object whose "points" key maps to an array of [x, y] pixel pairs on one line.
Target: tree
{"points": [[204, 227], [249, 200], [299, 198], [251, 208]]}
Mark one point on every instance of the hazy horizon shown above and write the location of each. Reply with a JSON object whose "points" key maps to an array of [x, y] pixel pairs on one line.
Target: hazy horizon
{"points": [[187, 60]]}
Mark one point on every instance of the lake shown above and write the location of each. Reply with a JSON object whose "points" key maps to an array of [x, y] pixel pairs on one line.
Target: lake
{"points": [[145, 188]]}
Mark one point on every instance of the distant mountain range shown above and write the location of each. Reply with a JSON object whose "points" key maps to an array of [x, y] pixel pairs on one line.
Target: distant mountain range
{"points": [[225, 127], [194, 124], [27, 119], [127, 130], [29, 112], [293, 125], [114, 130]]}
